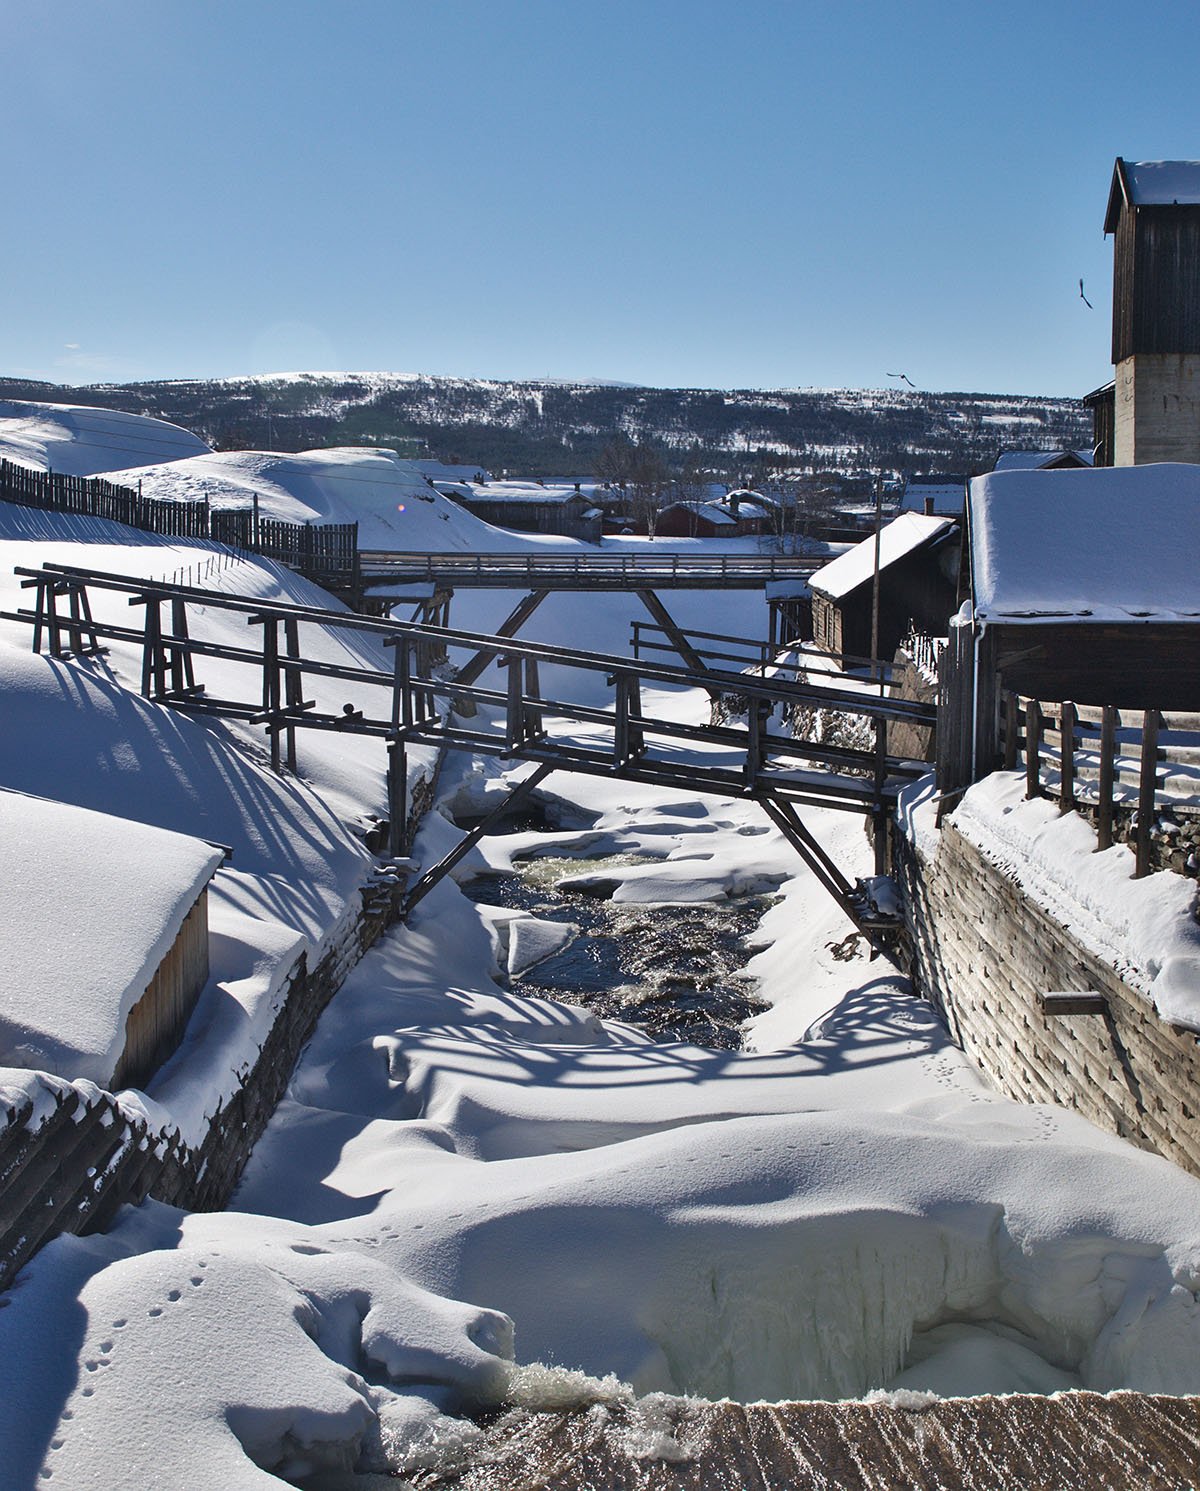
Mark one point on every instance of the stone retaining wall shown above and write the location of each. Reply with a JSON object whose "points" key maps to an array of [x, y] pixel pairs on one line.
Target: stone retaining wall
{"points": [[985, 954]]}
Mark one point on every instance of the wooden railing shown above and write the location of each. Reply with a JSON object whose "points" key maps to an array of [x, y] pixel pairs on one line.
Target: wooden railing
{"points": [[325, 552], [585, 569], [1123, 767]]}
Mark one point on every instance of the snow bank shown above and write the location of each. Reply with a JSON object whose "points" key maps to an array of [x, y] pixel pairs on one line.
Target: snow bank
{"points": [[389, 498], [98, 902], [81, 441]]}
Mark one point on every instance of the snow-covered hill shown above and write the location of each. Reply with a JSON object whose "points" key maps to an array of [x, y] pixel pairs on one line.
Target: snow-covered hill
{"points": [[553, 428]]}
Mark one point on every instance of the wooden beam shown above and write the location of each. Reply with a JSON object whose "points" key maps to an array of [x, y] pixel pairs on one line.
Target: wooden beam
{"points": [[444, 865]]}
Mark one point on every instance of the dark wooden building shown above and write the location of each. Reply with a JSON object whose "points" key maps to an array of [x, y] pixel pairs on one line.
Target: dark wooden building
{"points": [[1083, 588], [918, 579], [1154, 217]]}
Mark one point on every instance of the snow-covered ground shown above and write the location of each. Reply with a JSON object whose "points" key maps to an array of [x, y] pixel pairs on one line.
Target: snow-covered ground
{"points": [[472, 1196]]}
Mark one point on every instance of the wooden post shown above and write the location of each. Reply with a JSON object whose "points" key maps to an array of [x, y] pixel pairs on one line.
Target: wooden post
{"points": [[1033, 747], [397, 794], [270, 689], [880, 814], [1146, 785], [513, 733], [1012, 730], [753, 741], [1108, 751], [532, 723], [1066, 800], [293, 683]]}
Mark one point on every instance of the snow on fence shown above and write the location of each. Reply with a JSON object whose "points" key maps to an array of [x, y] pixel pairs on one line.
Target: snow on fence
{"points": [[325, 552], [1135, 773]]}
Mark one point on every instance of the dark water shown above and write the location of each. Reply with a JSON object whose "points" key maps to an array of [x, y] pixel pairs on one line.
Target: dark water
{"points": [[672, 971]]}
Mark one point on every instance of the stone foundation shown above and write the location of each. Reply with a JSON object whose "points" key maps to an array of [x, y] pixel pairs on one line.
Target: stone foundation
{"points": [[985, 955]]}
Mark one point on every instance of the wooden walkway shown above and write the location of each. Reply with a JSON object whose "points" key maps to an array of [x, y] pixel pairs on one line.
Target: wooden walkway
{"points": [[425, 700], [599, 570]]}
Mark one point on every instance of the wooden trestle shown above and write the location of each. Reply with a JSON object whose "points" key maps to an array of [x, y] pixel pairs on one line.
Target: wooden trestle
{"points": [[423, 700]]}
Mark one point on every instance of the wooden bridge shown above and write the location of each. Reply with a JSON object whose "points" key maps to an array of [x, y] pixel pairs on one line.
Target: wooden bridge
{"points": [[582, 570], [425, 700]]}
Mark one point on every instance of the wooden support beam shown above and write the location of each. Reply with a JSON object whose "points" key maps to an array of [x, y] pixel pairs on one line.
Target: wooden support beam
{"points": [[437, 872], [473, 670], [676, 637]]}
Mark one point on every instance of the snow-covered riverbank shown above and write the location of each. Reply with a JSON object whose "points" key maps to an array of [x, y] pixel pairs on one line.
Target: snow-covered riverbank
{"points": [[462, 1177]]}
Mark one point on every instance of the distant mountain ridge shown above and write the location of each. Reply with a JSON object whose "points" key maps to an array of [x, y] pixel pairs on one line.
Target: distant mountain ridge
{"points": [[549, 427]]}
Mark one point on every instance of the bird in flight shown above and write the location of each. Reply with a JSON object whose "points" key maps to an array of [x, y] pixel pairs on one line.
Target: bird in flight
{"points": [[906, 378], [1084, 298]]}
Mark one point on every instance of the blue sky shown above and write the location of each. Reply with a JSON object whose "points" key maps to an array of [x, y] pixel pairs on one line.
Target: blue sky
{"points": [[673, 191]]}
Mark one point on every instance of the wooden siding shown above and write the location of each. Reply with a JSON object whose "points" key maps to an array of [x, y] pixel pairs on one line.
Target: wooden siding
{"points": [[1134, 665], [985, 954], [1103, 405], [914, 594], [155, 1025], [1156, 281]]}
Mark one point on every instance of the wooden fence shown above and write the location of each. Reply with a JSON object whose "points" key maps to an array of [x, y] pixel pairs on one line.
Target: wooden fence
{"points": [[1126, 768], [326, 552]]}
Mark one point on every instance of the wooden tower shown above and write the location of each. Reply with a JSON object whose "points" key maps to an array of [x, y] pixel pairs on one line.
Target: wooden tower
{"points": [[1154, 216]]}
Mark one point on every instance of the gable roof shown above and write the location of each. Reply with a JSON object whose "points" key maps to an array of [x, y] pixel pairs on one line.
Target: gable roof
{"points": [[1114, 543], [1151, 183], [897, 539], [1041, 460]]}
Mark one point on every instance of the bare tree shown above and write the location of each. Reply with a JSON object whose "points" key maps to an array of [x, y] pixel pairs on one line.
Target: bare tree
{"points": [[649, 478]]}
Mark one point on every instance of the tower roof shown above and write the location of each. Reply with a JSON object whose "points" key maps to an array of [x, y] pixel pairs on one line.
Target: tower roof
{"points": [[1152, 183]]}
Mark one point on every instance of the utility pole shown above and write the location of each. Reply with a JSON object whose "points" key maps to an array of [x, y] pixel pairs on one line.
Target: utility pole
{"points": [[876, 669]]}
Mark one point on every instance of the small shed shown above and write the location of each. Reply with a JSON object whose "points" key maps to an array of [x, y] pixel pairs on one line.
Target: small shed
{"points": [[529, 507], [105, 934], [1085, 584], [918, 582]]}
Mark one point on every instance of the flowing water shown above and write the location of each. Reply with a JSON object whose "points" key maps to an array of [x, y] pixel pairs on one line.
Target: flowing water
{"points": [[673, 971]]}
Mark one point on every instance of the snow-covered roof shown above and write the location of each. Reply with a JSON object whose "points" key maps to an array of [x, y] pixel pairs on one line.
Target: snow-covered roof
{"points": [[1038, 460], [531, 492], [1117, 543], [896, 539], [707, 510], [90, 905], [947, 497]]}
